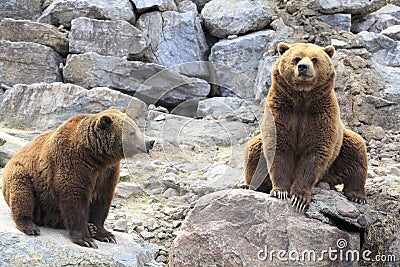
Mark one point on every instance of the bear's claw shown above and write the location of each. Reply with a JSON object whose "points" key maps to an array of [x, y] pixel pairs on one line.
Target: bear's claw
{"points": [[300, 204], [280, 194], [86, 242], [358, 200], [110, 239], [92, 229]]}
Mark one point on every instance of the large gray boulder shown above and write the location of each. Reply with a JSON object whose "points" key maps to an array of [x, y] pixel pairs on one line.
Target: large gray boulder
{"points": [[111, 38], [377, 21], [147, 81], [176, 39], [22, 9], [339, 21], [62, 12], [223, 18], [35, 32], [374, 42], [243, 227], [349, 6], [28, 63], [236, 61], [53, 248], [385, 50], [143, 6], [247, 228], [45, 106]]}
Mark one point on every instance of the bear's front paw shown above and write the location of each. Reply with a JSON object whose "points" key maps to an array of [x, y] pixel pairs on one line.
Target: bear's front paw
{"points": [[82, 239], [300, 201], [105, 236], [356, 197], [28, 227], [85, 242], [281, 194]]}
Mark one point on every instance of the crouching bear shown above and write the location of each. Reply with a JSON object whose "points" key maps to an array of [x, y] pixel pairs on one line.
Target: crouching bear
{"points": [[303, 140], [66, 178]]}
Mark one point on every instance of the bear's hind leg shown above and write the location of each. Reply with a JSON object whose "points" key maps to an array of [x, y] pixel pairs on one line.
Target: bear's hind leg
{"points": [[350, 167], [255, 166], [22, 203]]}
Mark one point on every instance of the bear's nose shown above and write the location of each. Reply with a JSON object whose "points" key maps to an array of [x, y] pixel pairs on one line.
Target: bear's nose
{"points": [[302, 68], [149, 145]]}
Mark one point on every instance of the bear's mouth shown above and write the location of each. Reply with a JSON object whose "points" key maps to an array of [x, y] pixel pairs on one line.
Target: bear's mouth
{"points": [[305, 76]]}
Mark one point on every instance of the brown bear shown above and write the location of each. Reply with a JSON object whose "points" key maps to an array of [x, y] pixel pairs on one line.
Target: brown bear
{"points": [[66, 178], [302, 140]]}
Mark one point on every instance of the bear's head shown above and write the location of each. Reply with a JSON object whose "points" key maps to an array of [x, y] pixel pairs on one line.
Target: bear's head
{"points": [[305, 66], [117, 135]]}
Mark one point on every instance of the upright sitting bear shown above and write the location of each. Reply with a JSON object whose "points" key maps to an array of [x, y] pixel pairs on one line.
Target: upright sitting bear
{"points": [[66, 178], [303, 140]]}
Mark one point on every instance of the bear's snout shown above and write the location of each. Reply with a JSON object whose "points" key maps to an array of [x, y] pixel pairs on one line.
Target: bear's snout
{"points": [[149, 145], [305, 69], [302, 68]]}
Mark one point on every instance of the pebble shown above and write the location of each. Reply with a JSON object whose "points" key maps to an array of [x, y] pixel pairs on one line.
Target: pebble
{"points": [[139, 228], [121, 225], [394, 171], [170, 180], [160, 117], [161, 235], [147, 235], [161, 258], [126, 189], [176, 223], [136, 221], [170, 192]]}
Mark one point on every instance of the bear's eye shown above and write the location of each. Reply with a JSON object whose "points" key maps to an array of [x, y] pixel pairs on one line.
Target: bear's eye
{"points": [[314, 60], [296, 60]]}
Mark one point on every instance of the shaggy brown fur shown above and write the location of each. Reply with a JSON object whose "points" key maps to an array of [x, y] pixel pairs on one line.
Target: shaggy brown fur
{"points": [[302, 136], [66, 178]]}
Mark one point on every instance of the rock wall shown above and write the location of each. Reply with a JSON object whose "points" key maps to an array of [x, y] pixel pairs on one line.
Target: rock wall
{"points": [[217, 49]]}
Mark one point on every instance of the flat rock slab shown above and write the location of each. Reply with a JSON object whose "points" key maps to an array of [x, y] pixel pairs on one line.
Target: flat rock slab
{"points": [[62, 12], [242, 227], [28, 63], [106, 37], [147, 81], [46, 106], [35, 32], [53, 248], [349, 6]]}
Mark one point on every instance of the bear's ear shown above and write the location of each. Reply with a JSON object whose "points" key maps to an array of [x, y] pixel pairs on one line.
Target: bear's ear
{"points": [[282, 48], [104, 122], [330, 50]]}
